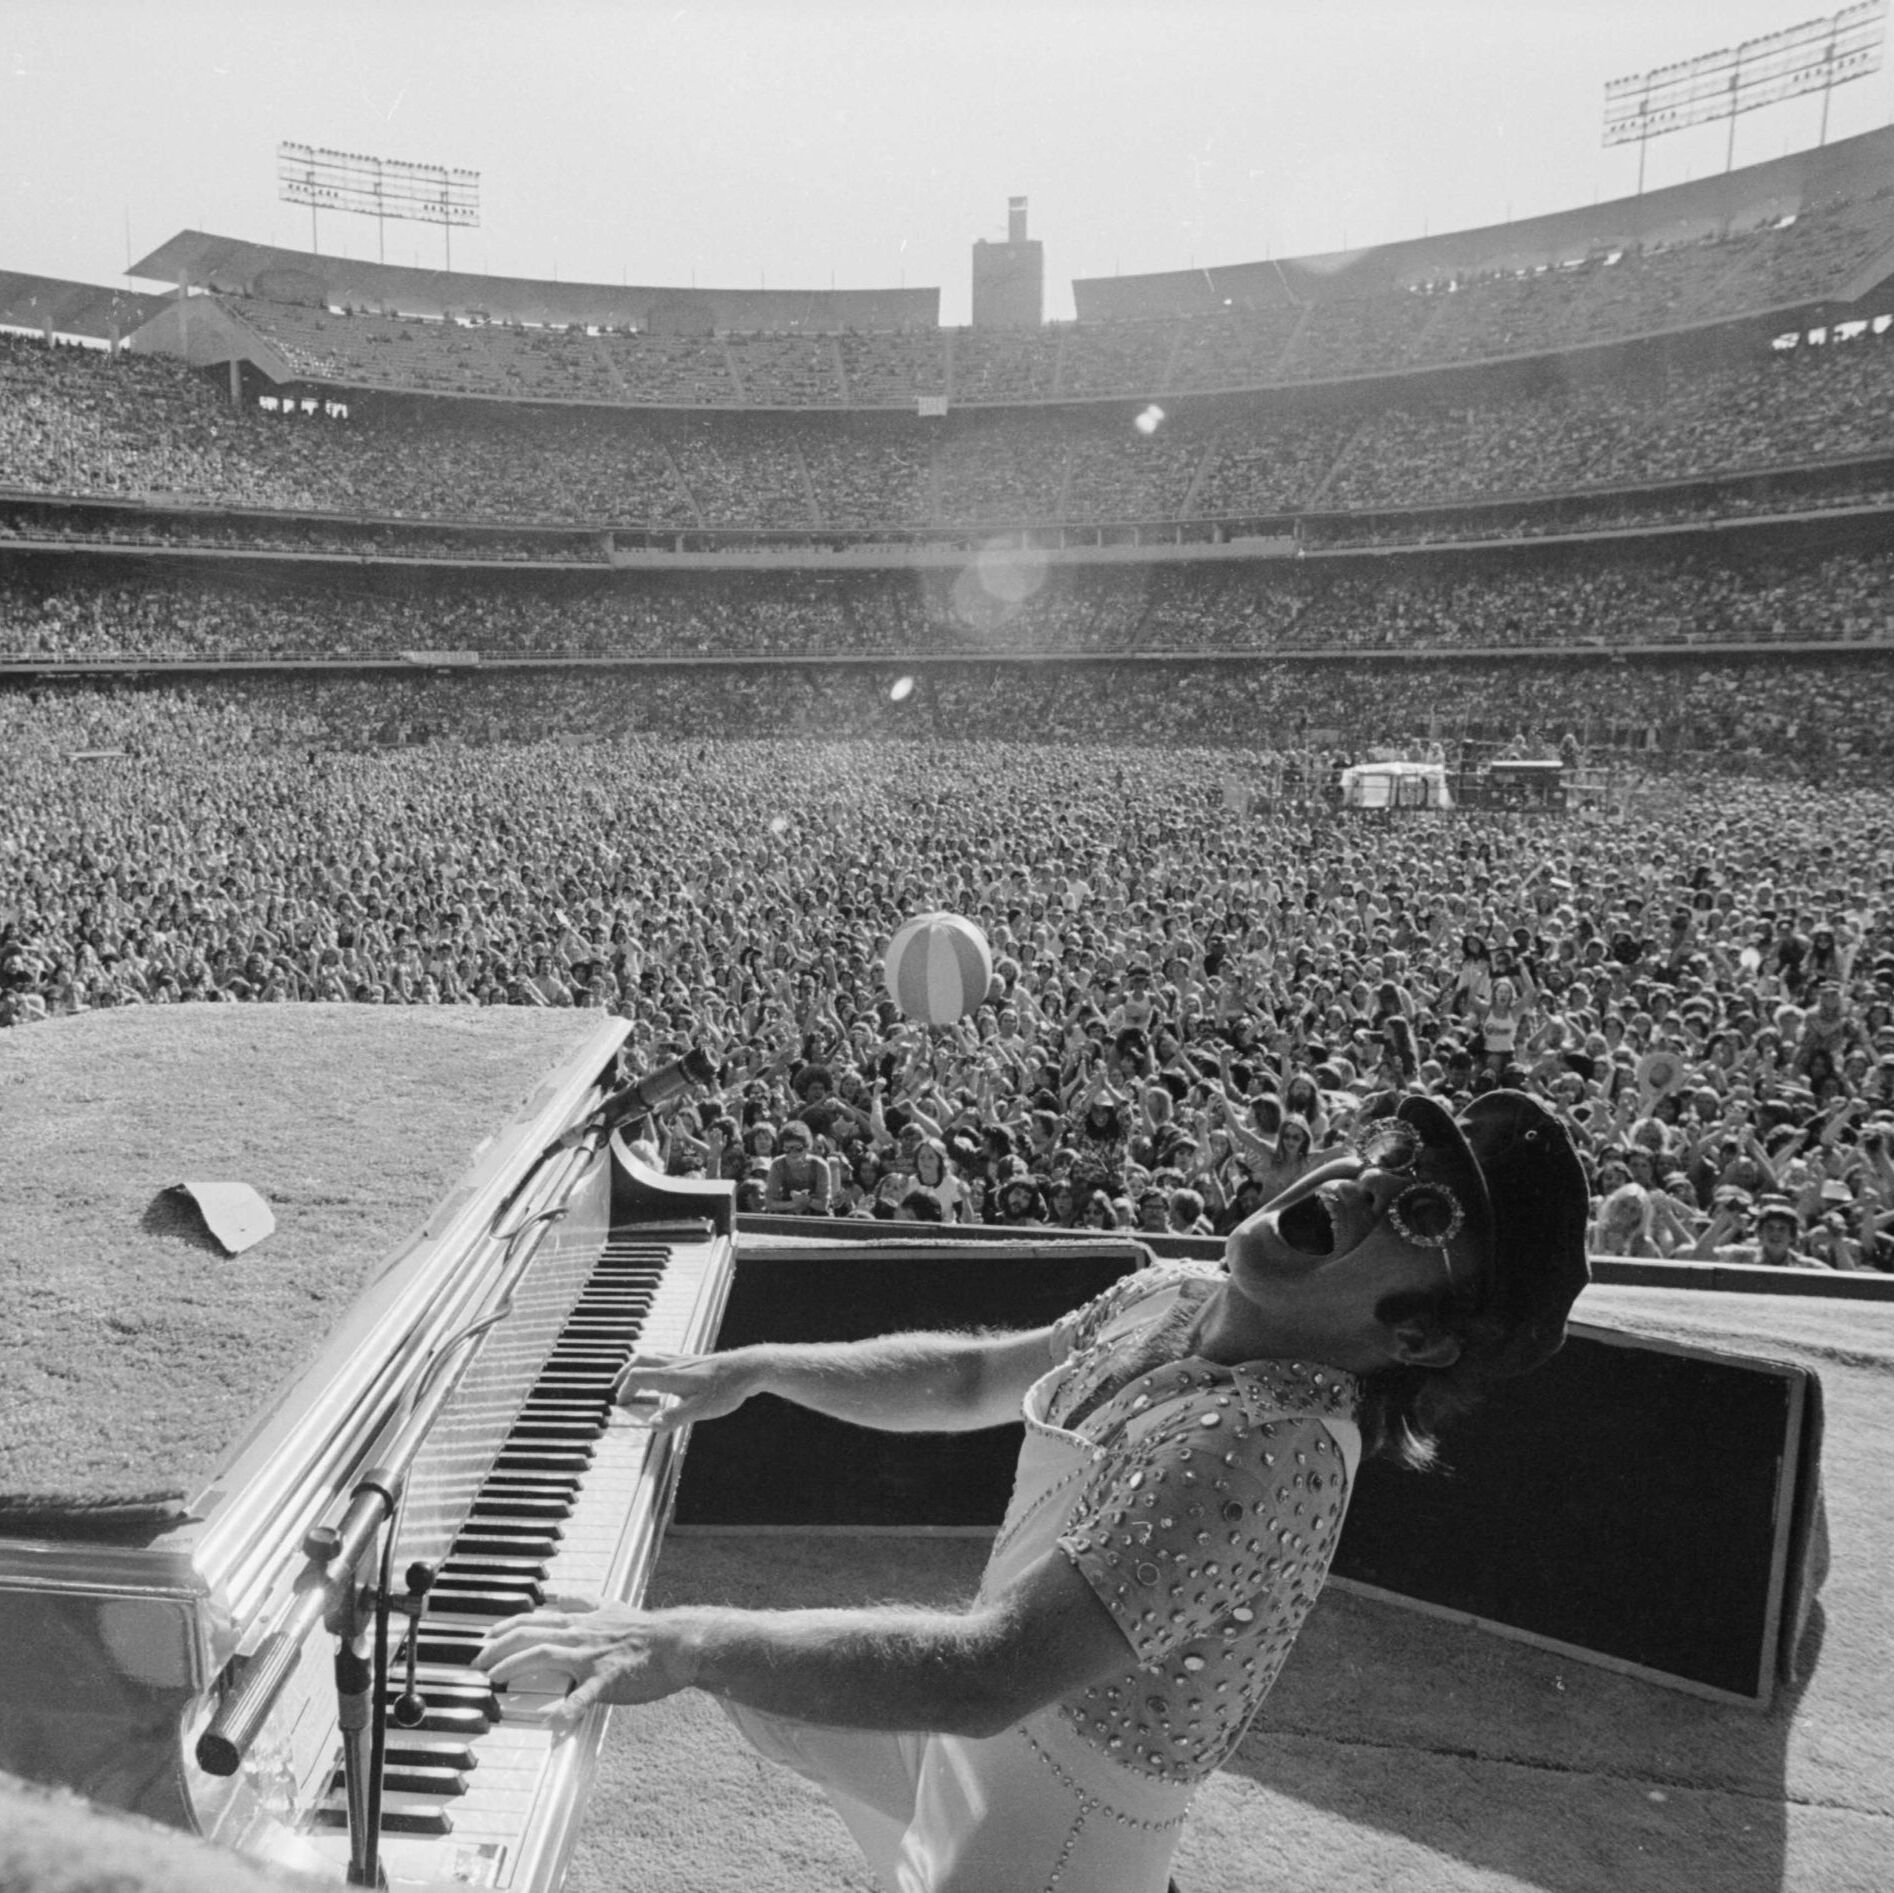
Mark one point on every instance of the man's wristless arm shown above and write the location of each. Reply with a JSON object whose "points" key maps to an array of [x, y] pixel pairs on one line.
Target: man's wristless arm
{"points": [[863, 1669], [903, 1383]]}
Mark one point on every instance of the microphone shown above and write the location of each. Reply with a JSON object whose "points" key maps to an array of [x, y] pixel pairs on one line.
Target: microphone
{"points": [[651, 1093]]}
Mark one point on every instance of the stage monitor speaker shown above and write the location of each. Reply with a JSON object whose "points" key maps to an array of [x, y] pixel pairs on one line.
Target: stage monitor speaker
{"points": [[1641, 1504]]}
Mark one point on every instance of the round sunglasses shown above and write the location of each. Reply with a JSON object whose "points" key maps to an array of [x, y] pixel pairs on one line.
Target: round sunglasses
{"points": [[1426, 1213]]}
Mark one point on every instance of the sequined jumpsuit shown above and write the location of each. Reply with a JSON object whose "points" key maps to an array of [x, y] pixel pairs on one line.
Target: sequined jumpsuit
{"points": [[1202, 1503]]}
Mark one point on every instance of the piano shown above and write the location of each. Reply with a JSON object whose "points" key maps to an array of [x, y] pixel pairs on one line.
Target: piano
{"points": [[185, 1673]]}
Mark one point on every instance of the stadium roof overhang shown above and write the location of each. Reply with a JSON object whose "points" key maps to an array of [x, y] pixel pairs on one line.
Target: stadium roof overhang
{"points": [[48, 304], [1709, 208], [231, 266]]}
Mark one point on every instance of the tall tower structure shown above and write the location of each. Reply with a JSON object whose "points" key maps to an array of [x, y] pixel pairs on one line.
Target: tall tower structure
{"points": [[1009, 279]]}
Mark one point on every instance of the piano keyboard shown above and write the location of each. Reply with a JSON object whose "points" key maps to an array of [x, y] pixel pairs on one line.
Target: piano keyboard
{"points": [[574, 1503]]}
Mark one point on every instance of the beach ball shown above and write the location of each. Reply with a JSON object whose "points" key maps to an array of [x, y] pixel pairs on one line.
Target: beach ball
{"points": [[938, 968]]}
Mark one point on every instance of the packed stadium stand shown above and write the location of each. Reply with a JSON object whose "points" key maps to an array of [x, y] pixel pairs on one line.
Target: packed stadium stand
{"points": [[1665, 423]]}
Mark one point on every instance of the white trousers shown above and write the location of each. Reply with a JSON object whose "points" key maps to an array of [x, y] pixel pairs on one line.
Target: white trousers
{"points": [[1029, 1811]]}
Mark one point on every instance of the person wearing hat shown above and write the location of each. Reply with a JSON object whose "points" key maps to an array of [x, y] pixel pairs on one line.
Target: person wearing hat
{"points": [[1192, 1441]]}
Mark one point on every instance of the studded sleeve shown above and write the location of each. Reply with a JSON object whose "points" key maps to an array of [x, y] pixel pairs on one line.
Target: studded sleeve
{"points": [[1210, 1525], [1086, 1326]]}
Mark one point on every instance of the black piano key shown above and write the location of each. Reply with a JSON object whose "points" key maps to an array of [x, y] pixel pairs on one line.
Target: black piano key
{"points": [[526, 1502], [499, 1600], [557, 1460], [477, 1596], [471, 1546], [474, 1545], [499, 1533], [533, 1570], [526, 1511], [409, 1748], [421, 1778], [397, 1817]]}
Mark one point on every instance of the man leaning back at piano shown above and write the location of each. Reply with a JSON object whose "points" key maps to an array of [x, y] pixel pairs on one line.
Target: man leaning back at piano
{"points": [[1191, 1443]]}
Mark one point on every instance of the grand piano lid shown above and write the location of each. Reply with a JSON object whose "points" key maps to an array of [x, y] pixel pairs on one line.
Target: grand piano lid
{"points": [[233, 1212]]}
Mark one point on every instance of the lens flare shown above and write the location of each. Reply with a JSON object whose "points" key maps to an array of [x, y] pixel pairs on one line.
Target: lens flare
{"points": [[779, 824]]}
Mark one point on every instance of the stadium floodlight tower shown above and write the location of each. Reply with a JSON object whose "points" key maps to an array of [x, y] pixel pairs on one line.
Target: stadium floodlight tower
{"points": [[377, 187], [1816, 56]]}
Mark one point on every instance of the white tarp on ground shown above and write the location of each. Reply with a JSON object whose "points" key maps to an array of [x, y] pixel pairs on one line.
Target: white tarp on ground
{"points": [[1404, 785]]}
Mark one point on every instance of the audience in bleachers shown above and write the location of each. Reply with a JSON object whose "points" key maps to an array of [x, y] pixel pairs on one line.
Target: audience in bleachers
{"points": [[1518, 306], [147, 430], [1590, 598]]}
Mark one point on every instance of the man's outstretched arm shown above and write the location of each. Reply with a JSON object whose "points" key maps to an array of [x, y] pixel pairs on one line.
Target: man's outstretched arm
{"points": [[974, 1672], [898, 1383]]}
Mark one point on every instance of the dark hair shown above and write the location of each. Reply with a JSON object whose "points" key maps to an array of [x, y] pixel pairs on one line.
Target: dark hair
{"points": [[1020, 1196], [923, 1207], [1404, 1408]]}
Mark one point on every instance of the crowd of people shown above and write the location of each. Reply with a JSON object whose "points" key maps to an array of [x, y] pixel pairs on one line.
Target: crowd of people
{"points": [[1193, 990], [1614, 597], [1643, 441], [1818, 721]]}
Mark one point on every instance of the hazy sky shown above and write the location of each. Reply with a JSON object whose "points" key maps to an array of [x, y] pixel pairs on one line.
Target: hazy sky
{"points": [[798, 142]]}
